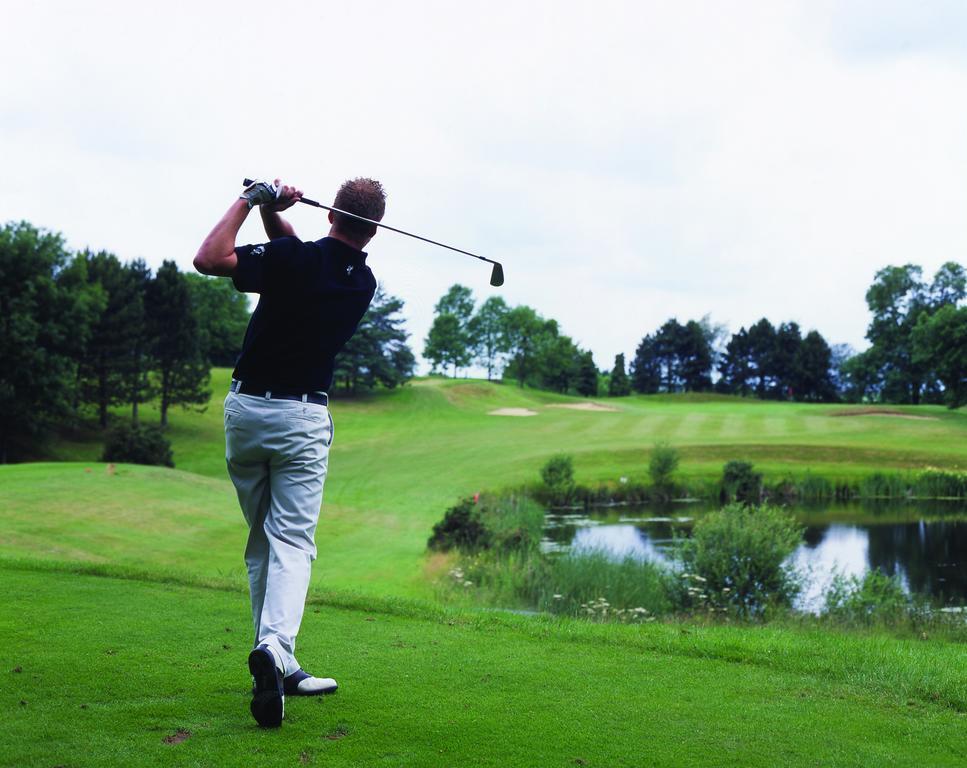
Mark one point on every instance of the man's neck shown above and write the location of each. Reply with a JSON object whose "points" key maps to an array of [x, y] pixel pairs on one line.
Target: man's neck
{"points": [[350, 241]]}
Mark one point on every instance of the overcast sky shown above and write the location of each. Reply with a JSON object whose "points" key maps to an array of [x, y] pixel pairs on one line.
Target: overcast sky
{"points": [[626, 161]]}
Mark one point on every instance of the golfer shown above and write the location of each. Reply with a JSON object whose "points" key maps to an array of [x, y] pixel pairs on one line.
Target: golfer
{"points": [[278, 429]]}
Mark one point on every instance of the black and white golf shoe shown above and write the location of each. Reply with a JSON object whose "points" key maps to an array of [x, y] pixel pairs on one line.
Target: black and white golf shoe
{"points": [[268, 695], [301, 683]]}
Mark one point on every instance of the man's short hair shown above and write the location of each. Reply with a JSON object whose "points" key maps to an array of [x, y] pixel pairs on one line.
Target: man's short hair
{"points": [[364, 197]]}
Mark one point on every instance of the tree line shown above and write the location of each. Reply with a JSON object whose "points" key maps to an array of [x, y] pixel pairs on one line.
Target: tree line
{"points": [[516, 343], [764, 361], [84, 333], [917, 353]]}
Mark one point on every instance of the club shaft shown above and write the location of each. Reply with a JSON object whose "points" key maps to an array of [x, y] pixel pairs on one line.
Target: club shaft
{"points": [[316, 204]]}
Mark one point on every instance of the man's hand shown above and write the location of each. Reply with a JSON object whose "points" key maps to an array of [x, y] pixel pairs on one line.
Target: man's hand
{"points": [[286, 197], [261, 193]]}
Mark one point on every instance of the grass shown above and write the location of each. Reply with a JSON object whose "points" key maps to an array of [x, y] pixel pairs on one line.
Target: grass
{"points": [[401, 458], [91, 678], [125, 621]]}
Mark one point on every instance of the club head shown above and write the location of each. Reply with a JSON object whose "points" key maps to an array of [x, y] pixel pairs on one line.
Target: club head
{"points": [[497, 275]]}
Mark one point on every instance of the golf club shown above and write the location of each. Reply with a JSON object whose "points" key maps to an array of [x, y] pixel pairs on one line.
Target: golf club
{"points": [[496, 274]]}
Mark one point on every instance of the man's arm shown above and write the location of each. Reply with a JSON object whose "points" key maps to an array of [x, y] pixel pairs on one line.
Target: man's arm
{"points": [[217, 253]]}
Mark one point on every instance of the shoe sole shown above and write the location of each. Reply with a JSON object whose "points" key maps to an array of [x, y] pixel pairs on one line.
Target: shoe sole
{"points": [[268, 700]]}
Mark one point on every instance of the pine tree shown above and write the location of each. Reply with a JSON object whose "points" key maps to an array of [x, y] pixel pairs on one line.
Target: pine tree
{"points": [[619, 384], [108, 354], [586, 379], [182, 372], [377, 353]]}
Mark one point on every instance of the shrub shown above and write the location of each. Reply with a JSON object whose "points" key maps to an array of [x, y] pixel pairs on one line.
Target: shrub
{"points": [[515, 523], [461, 528], [741, 483], [815, 488], [662, 466], [138, 444], [558, 477], [880, 485], [508, 523], [735, 560], [934, 483], [873, 599], [594, 585]]}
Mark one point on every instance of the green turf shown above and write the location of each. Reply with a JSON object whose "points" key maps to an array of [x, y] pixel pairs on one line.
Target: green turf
{"points": [[400, 458], [101, 671], [126, 622]]}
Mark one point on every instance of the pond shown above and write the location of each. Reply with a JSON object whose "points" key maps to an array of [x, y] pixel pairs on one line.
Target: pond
{"points": [[923, 543]]}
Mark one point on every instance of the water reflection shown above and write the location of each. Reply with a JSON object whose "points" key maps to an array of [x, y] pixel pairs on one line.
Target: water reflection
{"points": [[924, 545]]}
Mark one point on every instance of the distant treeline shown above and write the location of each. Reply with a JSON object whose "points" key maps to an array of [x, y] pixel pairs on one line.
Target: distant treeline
{"points": [[82, 333], [918, 351]]}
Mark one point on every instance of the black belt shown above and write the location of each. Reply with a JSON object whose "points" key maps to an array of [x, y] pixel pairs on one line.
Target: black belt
{"points": [[243, 388]]}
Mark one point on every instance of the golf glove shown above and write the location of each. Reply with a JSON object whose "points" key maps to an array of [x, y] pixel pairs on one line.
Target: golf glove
{"points": [[259, 193]]}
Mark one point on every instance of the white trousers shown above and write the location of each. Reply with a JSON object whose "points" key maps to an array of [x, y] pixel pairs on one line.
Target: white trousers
{"points": [[277, 453]]}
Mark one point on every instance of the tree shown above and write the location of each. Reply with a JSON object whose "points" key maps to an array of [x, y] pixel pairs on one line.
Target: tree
{"points": [[446, 344], [486, 329], [940, 344], [619, 385], [523, 328], [46, 310], [813, 367], [896, 299], [377, 353], [735, 368], [949, 285], [694, 357], [223, 316], [646, 368], [108, 355], [586, 378], [137, 377], [449, 341], [762, 342], [782, 363], [667, 341], [557, 359], [860, 375], [457, 301], [839, 355], [183, 373]]}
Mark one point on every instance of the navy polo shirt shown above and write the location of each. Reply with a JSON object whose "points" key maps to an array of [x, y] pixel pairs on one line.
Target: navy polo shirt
{"points": [[312, 296]]}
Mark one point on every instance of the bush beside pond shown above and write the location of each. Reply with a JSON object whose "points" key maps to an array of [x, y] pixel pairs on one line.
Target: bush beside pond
{"points": [[737, 557]]}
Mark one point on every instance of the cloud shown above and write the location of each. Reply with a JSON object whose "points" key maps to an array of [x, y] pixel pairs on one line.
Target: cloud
{"points": [[627, 162]]}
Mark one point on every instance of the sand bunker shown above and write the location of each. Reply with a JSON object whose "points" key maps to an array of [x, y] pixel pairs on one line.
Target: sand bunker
{"points": [[883, 412], [513, 412], [586, 407]]}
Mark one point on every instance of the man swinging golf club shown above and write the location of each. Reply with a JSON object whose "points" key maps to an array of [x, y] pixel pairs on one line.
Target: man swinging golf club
{"points": [[278, 429]]}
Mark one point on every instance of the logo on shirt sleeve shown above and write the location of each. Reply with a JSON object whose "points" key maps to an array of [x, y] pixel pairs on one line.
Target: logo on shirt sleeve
{"points": [[258, 250], [349, 269]]}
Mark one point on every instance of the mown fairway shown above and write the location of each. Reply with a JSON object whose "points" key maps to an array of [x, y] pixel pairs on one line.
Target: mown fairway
{"points": [[400, 459], [126, 622]]}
